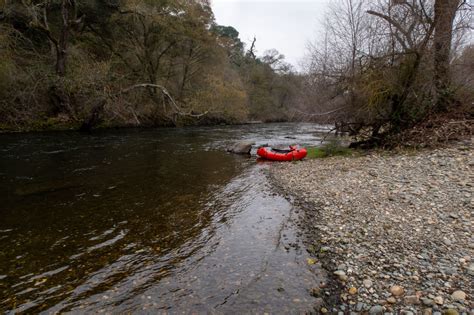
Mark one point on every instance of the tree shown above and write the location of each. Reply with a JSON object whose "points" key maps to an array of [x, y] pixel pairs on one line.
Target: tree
{"points": [[384, 66], [444, 14], [136, 62]]}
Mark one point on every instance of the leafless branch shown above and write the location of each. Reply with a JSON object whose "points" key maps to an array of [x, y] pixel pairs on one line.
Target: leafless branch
{"points": [[165, 92], [398, 27], [321, 114]]}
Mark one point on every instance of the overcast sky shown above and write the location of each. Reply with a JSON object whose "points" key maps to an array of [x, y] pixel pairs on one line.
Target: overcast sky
{"points": [[286, 25]]}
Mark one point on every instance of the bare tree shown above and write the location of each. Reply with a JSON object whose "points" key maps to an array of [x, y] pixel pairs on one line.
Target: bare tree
{"points": [[251, 51], [445, 12]]}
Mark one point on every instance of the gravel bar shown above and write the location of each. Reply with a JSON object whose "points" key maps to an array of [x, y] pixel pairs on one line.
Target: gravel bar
{"points": [[396, 231]]}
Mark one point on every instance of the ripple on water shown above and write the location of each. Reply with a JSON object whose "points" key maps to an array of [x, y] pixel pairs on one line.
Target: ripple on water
{"points": [[109, 242], [180, 225]]}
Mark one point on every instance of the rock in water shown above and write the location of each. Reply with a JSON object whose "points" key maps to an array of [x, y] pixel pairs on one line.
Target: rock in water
{"points": [[242, 147]]}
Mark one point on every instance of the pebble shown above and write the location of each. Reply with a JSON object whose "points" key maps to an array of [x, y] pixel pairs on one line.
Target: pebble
{"points": [[397, 290], [376, 309], [412, 299], [403, 236], [470, 269], [427, 311], [427, 301], [438, 300], [458, 296], [341, 274], [315, 291]]}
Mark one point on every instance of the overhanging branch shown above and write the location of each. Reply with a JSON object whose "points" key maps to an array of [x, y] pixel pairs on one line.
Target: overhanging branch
{"points": [[398, 27], [165, 92]]}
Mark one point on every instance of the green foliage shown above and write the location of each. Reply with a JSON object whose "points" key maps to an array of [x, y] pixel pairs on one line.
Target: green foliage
{"points": [[328, 149], [7, 71], [225, 100], [115, 45]]}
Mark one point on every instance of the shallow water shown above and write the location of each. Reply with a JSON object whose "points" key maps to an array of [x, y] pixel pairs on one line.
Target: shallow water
{"points": [[149, 220]]}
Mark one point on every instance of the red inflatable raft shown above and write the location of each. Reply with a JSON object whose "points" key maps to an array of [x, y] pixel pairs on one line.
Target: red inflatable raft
{"points": [[293, 154]]}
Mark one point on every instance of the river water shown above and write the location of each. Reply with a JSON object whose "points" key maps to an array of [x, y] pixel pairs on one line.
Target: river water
{"points": [[149, 220]]}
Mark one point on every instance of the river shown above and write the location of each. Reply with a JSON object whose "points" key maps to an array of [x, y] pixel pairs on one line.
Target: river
{"points": [[149, 220]]}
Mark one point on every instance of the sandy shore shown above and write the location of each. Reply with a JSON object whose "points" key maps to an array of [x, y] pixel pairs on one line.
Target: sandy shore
{"points": [[395, 230]]}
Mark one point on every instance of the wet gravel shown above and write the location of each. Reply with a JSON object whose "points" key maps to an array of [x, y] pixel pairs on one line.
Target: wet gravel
{"points": [[395, 230]]}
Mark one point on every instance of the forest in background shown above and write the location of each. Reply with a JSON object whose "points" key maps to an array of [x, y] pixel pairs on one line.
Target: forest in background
{"points": [[67, 63], [379, 67]]}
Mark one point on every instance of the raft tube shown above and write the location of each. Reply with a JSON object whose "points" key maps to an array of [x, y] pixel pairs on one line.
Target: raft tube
{"points": [[293, 154]]}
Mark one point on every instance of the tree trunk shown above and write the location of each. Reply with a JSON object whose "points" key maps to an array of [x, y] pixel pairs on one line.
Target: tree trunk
{"points": [[445, 12], [61, 52], [186, 71]]}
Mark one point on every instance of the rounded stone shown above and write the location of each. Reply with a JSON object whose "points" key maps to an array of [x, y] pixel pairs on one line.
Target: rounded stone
{"points": [[315, 292], [376, 309], [450, 311], [391, 300], [427, 301], [438, 300], [458, 296], [427, 311], [242, 147], [397, 290], [412, 299], [353, 290], [470, 269], [341, 275], [367, 283]]}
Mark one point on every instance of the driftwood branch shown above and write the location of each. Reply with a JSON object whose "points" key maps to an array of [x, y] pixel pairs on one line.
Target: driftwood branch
{"points": [[165, 92], [321, 114]]}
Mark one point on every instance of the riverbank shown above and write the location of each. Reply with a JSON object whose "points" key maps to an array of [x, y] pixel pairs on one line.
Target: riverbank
{"points": [[396, 230], [52, 125]]}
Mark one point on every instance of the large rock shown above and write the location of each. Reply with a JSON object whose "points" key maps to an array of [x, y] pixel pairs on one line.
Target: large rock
{"points": [[242, 147]]}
